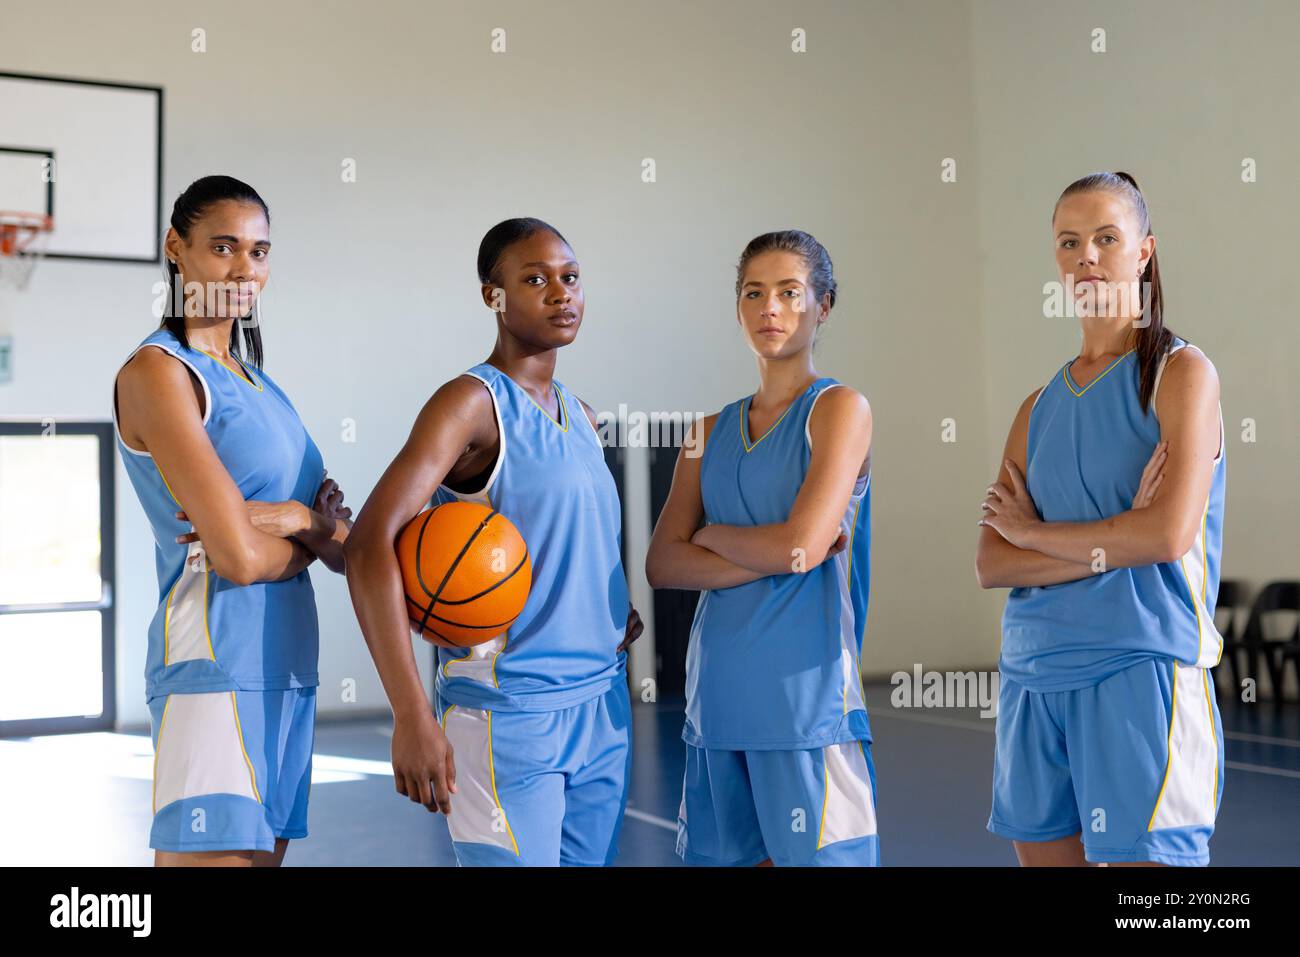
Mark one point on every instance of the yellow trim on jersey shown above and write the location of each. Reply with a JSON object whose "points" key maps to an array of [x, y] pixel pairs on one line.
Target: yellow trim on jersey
{"points": [[1065, 373], [853, 532], [1169, 743], [166, 485], [247, 376], [744, 428], [492, 777], [1205, 579], [559, 399], [162, 723], [826, 793], [252, 775], [206, 632], [1209, 708], [167, 618]]}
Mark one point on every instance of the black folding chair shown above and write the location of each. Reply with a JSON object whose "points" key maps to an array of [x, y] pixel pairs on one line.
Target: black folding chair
{"points": [[1276, 596]]}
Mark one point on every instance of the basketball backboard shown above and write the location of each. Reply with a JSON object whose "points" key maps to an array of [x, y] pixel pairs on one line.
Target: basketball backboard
{"points": [[89, 154]]}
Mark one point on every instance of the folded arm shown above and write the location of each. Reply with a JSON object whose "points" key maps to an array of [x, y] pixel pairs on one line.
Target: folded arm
{"points": [[672, 561], [1160, 530], [840, 428]]}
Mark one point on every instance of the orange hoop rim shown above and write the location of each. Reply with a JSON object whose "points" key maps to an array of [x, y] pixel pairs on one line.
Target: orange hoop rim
{"points": [[18, 230]]}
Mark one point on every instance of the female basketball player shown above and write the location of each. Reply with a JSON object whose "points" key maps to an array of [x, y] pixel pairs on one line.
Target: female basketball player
{"points": [[1109, 747], [778, 768], [538, 718], [209, 439]]}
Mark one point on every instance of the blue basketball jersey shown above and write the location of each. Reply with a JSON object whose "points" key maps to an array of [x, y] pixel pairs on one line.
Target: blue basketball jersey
{"points": [[208, 633], [773, 664], [1086, 452], [551, 481]]}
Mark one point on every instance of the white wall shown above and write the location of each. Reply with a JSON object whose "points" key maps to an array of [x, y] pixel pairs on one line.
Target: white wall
{"points": [[373, 301]]}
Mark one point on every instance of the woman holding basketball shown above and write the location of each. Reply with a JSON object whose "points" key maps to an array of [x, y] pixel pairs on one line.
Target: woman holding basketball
{"points": [[209, 440], [532, 728], [1106, 522], [772, 522]]}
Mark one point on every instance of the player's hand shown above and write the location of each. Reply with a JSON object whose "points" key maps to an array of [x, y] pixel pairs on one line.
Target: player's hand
{"points": [[423, 768], [841, 542], [633, 630], [1009, 510], [329, 500], [1152, 476]]}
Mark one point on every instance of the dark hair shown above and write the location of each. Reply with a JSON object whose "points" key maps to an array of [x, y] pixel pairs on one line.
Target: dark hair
{"points": [[189, 207], [503, 235], [1153, 339], [821, 273]]}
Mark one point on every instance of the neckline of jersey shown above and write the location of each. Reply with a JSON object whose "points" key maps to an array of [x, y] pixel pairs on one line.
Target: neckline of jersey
{"points": [[1069, 379], [559, 399], [744, 416], [246, 378]]}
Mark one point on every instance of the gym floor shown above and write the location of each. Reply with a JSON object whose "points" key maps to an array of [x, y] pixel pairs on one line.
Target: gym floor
{"points": [[934, 776]]}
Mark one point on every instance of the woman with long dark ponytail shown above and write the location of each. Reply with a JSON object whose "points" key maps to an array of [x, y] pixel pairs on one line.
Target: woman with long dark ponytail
{"points": [[239, 504], [1106, 522]]}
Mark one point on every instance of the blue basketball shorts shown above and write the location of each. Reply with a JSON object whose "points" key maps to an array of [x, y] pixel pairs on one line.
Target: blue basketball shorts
{"points": [[232, 769], [1133, 764], [814, 807], [540, 788]]}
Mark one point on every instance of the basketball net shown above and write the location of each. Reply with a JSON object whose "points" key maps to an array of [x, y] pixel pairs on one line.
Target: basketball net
{"points": [[23, 238]]}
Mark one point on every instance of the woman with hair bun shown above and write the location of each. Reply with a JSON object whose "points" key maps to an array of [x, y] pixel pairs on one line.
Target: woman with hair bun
{"points": [[527, 746], [772, 523]]}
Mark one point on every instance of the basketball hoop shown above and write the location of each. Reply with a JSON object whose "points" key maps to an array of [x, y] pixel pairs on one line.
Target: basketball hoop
{"points": [[23, 237]]}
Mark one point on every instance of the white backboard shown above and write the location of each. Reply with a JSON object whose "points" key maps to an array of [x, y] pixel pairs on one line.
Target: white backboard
{"points": [[105, 144]]}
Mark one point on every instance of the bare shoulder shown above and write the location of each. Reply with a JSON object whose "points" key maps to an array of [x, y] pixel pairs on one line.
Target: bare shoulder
{"points": [[463, 396], [1190, 369], [841, 405], [459, 411], [152, 374], [152, 366]]}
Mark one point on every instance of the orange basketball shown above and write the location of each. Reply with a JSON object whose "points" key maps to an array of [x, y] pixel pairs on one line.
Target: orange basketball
{"points": [[465, 570]]}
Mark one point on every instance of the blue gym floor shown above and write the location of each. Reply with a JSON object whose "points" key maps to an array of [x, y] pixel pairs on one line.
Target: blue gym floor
{"points": [[84, 799]]}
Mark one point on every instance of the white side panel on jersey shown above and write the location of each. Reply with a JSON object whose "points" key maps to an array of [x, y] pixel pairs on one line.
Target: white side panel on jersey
{"points": [[1191, 774], [478, 664], [478, 817], [185, 629], [200, 750], [849, 811]]}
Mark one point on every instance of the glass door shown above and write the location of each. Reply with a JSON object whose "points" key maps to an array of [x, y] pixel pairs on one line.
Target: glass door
{"points": [[56, 577]]}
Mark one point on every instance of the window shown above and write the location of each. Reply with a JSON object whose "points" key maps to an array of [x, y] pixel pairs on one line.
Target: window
{"points": [[56, 577]]}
